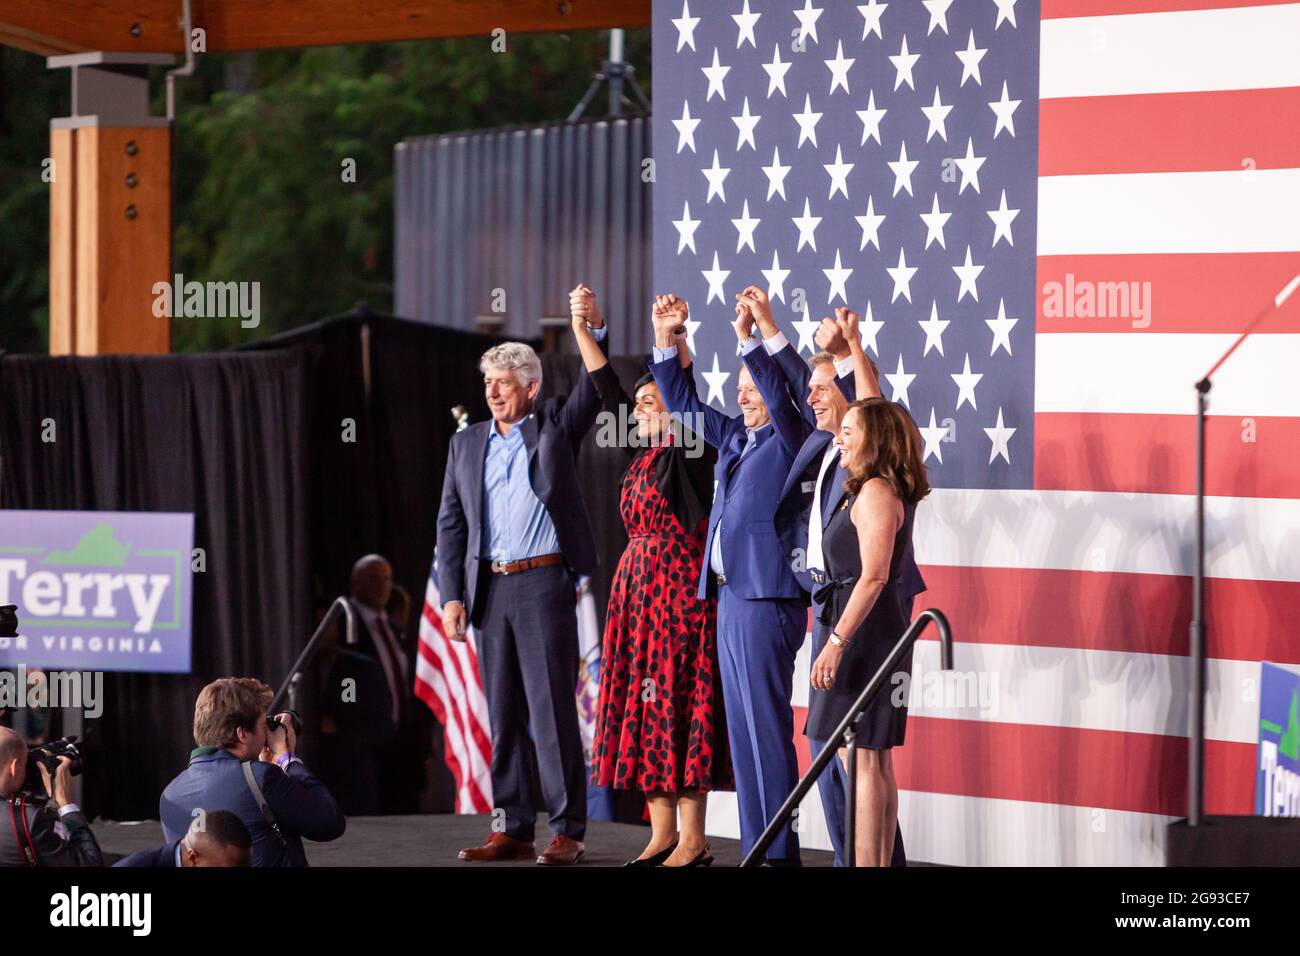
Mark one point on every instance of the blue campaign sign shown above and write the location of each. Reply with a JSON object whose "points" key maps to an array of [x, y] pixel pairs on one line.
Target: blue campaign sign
{"points": [[97, 590], [1277, 769]]}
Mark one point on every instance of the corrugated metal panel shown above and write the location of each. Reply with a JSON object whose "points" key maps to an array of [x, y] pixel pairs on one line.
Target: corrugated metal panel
{"points": [[530, 211]]}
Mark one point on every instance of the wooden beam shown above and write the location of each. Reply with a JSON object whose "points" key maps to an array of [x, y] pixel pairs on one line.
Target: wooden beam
{"points": [[63, 243], [110, 240], [75, 26]]}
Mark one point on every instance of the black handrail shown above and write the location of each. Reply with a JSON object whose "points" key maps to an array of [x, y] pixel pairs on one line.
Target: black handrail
{"points": [[341, 606], [828, 753]]}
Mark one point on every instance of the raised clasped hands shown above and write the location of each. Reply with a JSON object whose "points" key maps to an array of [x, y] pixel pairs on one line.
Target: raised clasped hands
{"points": [[668, 315], [583, 309], [846, 321], [759, 305], [744, 324], [829, 339]]}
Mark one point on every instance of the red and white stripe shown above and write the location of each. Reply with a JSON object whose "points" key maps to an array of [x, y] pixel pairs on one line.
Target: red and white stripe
{"points": [[1169, 153], [447, 680]]}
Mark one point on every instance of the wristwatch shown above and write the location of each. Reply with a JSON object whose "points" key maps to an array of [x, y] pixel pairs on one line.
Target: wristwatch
{"points": [[838, 641]]}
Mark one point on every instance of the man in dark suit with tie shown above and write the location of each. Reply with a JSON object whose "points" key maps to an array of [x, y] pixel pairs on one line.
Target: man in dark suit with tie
{"points": [[760, 607], [218, 838], [384, 756], [822, 389], [513, 536]]}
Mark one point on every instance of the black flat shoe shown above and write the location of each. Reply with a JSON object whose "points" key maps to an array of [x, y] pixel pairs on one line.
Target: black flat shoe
{"points": [[656, 860], [703, 858]]}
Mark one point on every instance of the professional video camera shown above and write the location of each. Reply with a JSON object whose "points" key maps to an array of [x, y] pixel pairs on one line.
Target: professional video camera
{"points": [[9, 620], [49, 754]]}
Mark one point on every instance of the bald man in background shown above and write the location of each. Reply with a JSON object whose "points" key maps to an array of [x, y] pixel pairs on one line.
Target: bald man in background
{"points": [[381, 736]]}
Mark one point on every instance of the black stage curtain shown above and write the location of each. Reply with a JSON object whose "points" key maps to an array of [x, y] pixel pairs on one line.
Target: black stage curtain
{"points": [[398, 380], [217, 435], [297, 456]]}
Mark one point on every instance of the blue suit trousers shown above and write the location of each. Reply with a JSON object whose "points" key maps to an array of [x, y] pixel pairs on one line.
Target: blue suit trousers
{"points": [[757, 644]]}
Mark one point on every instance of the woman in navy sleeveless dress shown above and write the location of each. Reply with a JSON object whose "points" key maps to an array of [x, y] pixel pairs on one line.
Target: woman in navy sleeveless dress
{"points": [[882, 725], [866, 546]]}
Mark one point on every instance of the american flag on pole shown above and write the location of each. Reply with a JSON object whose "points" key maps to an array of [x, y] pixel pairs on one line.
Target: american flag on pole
{"points": [[447, 680], [1053, 221]]}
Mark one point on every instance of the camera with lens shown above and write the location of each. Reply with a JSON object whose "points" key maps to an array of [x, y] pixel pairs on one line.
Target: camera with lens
{"points": [[48, 755], [9, 620]]}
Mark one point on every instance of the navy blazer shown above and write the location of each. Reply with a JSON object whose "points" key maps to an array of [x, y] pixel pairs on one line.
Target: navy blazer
{"points": [[553, 433], [798, 374], [794, 508], [302, 805], [161, 857], [744, 502]]}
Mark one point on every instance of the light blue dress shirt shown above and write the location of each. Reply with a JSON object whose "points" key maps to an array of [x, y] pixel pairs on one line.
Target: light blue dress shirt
{"points": [[515, 522]]}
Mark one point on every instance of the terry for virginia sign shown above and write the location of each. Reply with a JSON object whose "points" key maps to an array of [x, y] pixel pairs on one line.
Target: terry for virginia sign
{"points": [[1277, 767], [97, 590]]}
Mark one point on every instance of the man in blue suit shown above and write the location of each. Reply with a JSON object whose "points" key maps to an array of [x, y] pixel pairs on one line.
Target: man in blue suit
{"points": [[252, 770], [513, 536], [822, 389], [218, 838], [761, 614]]}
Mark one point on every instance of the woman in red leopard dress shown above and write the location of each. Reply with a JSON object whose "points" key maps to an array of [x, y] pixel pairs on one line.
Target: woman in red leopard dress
{"points": [[660, 726]]}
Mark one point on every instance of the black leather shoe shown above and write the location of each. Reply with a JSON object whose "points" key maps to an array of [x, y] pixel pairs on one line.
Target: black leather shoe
{"points": [[656, 860]]}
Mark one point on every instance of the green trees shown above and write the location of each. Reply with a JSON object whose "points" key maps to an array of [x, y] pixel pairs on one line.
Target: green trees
{"points": [[262, 172]]}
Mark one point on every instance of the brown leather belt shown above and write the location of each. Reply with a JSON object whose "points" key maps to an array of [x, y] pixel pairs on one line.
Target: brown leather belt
{"points": [[526, 564]]}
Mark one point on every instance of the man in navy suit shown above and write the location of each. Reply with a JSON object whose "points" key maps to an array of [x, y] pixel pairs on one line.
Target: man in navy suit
{"points": [[761, 613], [513, 535], [822, 389], [252, 770], [218, 838]]}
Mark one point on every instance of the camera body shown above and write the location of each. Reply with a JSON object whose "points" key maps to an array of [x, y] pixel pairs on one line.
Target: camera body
{"points": [[273, 721], [48, 755], [9, 620]]}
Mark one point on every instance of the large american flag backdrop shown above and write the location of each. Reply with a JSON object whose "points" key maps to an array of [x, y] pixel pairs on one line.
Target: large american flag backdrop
{"points": [[1053, 222]]}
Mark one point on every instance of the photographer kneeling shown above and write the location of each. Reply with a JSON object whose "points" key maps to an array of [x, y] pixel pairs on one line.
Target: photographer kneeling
{"points": [[31, 834], [249, 768]]}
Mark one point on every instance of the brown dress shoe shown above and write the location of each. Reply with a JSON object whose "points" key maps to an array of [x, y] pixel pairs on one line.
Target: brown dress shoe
{"points": [[498, 848], [562, 851]]}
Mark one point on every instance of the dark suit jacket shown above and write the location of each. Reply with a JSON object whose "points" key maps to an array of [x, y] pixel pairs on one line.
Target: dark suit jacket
{"points": [[161, 857], [744, 503], [368, 717], [79, 849], [302, 805], [794, 508], [553, 434]]}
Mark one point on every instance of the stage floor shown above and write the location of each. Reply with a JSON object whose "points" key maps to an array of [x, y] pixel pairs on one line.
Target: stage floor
{"points": [[432, 840]]}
